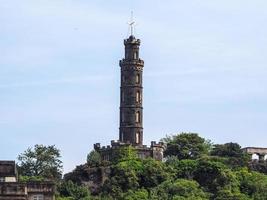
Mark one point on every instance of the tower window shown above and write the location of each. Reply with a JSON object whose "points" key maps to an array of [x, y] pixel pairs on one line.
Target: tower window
{"points": [[122, 97], [122, 117], [135, 55], [138, 97], [137, 117], [122, 136], [137, 138], [123, 79], [137, 78]]}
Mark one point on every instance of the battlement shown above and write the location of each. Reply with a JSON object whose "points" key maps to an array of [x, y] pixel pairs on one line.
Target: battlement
{"points": [[155, 150], [132, 40], [155, 144], [131, 62]]}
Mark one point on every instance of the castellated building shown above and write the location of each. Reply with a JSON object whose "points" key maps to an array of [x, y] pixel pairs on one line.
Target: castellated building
{"points": [[131, 107]]}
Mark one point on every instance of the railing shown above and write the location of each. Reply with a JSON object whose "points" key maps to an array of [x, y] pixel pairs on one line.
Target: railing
{"points": [[13, 189], [36, 187]]}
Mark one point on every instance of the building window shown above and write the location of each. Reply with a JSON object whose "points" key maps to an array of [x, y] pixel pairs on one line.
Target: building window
{"points": [[137, 78], [138, 97], [38, 197], [2, 179], [137, 138], [137, 117], [123, 79]]}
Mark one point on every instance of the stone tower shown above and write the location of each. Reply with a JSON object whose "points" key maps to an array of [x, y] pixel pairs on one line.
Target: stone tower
{"points": [[131, 109]]}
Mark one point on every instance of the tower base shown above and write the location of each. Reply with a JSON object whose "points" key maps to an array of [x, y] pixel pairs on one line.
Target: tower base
{"points": [[108, 153]]}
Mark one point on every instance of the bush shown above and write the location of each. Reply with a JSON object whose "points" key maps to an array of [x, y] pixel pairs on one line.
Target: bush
{"points": [[72, 190]]}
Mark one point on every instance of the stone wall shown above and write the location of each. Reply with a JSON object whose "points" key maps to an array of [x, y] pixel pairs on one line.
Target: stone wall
{"points": [[109, 152], [23, 191]]}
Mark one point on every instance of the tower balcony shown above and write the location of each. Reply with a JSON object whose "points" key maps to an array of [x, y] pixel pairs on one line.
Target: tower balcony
{"points": [[132, 40], [131, 62]]}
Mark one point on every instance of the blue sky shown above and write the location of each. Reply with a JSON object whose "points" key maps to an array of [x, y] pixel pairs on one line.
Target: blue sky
{"points": [[205, 71]]}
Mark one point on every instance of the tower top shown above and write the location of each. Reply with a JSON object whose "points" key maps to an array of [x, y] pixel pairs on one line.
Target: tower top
{"points": [[132, 24]]}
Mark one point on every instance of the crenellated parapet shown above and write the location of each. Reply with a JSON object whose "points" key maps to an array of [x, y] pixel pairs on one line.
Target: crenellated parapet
{"points": [[155, 150]]}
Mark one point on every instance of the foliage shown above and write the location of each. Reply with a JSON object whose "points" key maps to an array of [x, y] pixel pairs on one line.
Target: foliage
{"points": [[123, 177], [192, 171], [214, 176], [258, 166], [186, 146], [64, 198], [41, 161], [93, 159], [135, 174], [140, 194], [153, 173], [25, 179], [72, 190], [124, 153], [233, 152], [253, 184], [179, 189], [227, 150], [230, 195], [183, 168]]}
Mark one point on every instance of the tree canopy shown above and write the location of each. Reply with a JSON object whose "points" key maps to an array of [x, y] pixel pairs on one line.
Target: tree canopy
{"points": [[186, 146], [193, 169], [41, 161]]}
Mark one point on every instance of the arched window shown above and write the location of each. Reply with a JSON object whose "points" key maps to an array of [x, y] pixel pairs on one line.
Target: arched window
{"points": [[137, 138], [137, 78], [138, 97], [122, 117], [137, 117], [135, 55], [122, 136]]}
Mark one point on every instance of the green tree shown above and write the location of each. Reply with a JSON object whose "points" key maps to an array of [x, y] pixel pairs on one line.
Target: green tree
{"points": [[258, 166], [253, 184], [230, 195], [41, 161], [183, 168], [123, 153], [74, 191], [140, 194], [153, 173], [64, 198], [215, 176], [123, 177], [94, 159], [233, 152], [186, 146], [180, 189], [227, 150]]}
